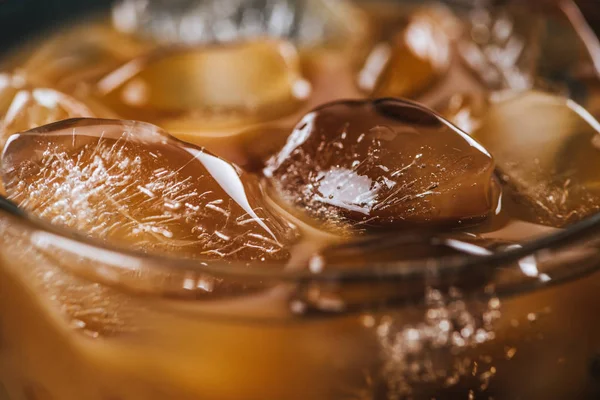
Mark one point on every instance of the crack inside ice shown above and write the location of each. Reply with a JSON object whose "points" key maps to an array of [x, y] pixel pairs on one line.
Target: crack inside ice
{"points": [[131, 184]]}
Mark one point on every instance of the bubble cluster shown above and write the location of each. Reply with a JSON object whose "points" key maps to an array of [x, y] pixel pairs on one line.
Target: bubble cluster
{"points": [[417, 354]]}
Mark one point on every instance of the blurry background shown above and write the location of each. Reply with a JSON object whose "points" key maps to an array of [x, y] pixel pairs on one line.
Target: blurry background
{"points": [[20, 19]]}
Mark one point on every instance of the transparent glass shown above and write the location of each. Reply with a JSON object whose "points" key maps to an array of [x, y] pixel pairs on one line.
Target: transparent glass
{"points": [[80, 320]]}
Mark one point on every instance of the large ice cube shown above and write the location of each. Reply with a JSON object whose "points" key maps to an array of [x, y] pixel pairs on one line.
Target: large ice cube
{"points": [[216, 86], [305, 22], [383, 162], [415, 58], [547, 148], [129, 182], [24, 106]]}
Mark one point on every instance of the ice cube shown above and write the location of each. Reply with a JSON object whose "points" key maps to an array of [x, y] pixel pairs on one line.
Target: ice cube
{"points": [[546, 147], [305, 22], [217, 86], [514, 47], [385, 162], [129, 182], [414, 59], [81, 55], [24, 106]]}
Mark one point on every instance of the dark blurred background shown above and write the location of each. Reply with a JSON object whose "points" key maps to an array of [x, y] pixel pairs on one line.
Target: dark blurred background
{"points": [[19, 19]]}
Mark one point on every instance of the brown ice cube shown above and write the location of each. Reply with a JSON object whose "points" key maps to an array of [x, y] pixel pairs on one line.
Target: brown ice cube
{"points": [[130, 183], [414, 59], [547, 148], [385, 162], [216, 86]]}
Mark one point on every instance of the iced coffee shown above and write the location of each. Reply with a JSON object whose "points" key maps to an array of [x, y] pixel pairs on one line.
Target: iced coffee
{"points": [[278, 200]]}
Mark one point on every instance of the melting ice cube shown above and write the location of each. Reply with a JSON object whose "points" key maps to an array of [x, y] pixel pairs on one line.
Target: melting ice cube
{"points": [[217, 86], [412, 60], [383, 162], [547, 148], [130, 182], [23, 106]]}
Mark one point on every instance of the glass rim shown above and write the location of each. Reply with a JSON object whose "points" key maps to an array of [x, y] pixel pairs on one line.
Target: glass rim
{"points": [[576, 232]]}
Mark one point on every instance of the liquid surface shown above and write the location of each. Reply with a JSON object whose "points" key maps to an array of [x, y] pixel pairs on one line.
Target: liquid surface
{"points": [[155, 88]]}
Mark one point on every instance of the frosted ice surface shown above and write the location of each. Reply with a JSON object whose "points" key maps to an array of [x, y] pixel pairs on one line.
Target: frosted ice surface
{"points": [[501, 47], [306, 22], [130, 183], [381, 163]]}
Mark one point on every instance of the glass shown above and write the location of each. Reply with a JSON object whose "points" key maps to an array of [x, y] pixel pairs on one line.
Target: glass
{"points": [[81, 320]]}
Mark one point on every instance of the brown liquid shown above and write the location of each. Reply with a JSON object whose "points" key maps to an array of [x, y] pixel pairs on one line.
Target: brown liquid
{"points": [[63, 337]]}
